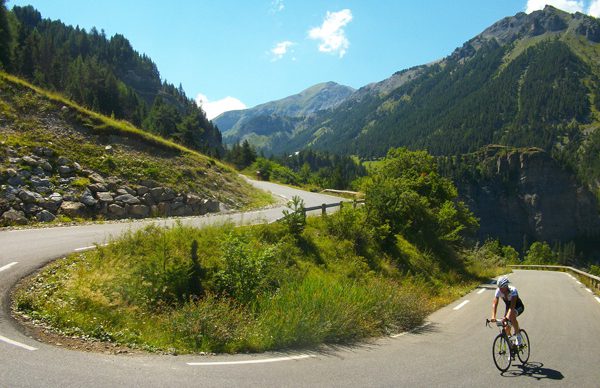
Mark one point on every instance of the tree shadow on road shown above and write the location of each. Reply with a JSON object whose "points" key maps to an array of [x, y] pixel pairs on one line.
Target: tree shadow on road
{"points": [[536, 371]]}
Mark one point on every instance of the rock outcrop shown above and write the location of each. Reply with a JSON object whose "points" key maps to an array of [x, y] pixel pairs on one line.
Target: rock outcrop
{"points": [[40, 186], [526, 196]]}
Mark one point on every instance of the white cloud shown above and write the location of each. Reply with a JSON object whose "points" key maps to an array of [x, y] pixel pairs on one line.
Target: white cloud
{"points": [[215, 108], [566, 5], [280, 50], [277, 6], [594, 9], [331, 33]]}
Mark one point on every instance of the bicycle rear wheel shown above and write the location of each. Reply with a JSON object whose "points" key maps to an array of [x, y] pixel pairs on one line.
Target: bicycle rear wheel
{"points": [[525, 348], [501, 352]]}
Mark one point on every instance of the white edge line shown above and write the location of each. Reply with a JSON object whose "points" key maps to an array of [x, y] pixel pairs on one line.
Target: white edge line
{"points": [[7, 266], [85, 248], [15, 343], [578, 282], [481, 291], [598, 299], [588, 290], [412, 331], [261, 361], [89, 248], [461, 305]]}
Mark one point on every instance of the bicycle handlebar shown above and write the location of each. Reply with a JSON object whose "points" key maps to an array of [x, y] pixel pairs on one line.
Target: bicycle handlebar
{"points": [[498, 322]]}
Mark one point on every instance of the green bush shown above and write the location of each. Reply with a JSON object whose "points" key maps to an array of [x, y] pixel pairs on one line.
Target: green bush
{"points": [[540, 253], [295, 218]]}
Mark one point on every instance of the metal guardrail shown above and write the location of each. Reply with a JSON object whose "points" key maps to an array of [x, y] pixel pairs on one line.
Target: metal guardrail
{"points": [[326, 206], [591, 280]]}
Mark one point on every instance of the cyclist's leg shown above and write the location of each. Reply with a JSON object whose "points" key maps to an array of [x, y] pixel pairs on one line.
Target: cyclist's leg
{"points": [[512, 316]]}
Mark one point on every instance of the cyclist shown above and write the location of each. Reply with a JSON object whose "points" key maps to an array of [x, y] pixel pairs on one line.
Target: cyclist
{"points": [[514, 306]]}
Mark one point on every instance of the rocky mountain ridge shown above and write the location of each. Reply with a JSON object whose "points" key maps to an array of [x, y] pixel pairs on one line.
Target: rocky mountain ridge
{"points": [[281, 116]]}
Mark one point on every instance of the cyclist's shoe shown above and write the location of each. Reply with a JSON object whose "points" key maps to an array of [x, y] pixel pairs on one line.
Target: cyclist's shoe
{"points": [[519, 340]]}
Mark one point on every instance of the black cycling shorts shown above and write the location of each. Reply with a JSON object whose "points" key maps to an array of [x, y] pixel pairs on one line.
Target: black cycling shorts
{"points": [[519, 308]]}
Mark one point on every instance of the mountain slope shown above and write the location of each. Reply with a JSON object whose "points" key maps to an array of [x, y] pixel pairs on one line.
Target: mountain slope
{"points": [[103, 74], [528, 80], [58, 159], [279, 117]]}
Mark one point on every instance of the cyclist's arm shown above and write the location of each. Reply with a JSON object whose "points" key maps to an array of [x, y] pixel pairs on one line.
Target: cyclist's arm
{"points": [[494, 308]]}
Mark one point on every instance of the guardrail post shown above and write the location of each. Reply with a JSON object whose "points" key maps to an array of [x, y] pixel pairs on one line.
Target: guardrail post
{"points": [[354, 204], [323, 209]]}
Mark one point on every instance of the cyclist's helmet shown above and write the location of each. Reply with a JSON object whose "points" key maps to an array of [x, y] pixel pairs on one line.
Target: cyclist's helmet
{"points": [[503, 282]]}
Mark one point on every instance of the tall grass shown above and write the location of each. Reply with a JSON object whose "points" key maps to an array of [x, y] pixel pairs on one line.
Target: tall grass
{"points": [[226, 289]]}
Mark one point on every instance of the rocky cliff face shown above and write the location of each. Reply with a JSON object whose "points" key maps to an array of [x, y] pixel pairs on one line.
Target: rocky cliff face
{"points": [[525, 196]]}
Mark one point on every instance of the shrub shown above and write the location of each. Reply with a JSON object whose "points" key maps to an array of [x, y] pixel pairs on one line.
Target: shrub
{"points": [[295, 219]]}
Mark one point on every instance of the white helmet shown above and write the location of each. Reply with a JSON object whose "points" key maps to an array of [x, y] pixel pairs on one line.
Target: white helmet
{"points": [[503, 282]]}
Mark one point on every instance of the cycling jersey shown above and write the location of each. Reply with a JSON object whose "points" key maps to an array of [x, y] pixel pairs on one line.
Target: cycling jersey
{"points": [[509, 296]]}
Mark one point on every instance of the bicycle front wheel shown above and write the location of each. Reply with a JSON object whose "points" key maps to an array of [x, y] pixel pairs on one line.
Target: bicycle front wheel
{"points": [[525, 348], [501, 352]]}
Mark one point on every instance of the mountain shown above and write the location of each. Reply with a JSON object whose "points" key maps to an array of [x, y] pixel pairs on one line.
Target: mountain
{"points": [[279, 118], [531, 80], [103, 74]]}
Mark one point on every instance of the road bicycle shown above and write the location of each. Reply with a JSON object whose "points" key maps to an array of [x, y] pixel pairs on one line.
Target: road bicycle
{"points": [[504, 349]]}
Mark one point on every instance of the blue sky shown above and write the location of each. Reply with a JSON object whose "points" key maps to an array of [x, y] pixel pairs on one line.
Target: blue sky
{"points": [[235, 54]]}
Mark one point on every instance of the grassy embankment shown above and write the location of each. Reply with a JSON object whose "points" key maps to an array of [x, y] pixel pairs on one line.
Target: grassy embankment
{"points": [[32, 117], [226, 289]]}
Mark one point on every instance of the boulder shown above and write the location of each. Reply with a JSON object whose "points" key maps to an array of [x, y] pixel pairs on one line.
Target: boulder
{"points": [[45, 216], [73, 209], [139, 211], [142, 190], [210, 206], [30, 161], [14, 217], [97, 187], [88, 199], [104, 196], [128, 199], [29, 196], [116, 211]]}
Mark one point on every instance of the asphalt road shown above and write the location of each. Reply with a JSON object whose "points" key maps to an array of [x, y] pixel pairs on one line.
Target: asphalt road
{"points": [[452, 350]]}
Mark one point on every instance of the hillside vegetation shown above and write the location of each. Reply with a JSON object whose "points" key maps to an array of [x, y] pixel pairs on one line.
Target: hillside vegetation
{"points": [[103, 74], [81, 149], [358, 273]]}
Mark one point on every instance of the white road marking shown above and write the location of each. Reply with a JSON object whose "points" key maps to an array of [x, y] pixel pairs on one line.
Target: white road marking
{"points": [[260, 361], [7, 266], [598, 299], [578, 282], [461, 305], [85, 248], [481, 291], [15, 343], [588, 290], [89, 248]]}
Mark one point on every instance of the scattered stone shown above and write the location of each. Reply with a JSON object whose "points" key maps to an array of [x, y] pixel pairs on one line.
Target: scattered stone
{"points": [[97, 178], [65, 170], [28, 160], [63, 161]]}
